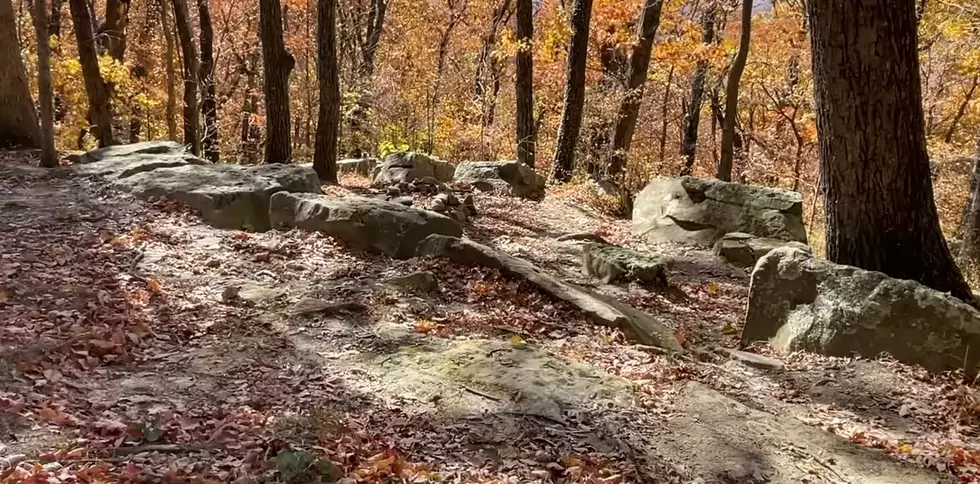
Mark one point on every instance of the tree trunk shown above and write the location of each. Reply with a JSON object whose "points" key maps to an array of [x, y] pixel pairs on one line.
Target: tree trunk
{"points": [[192, 115], [571, 116], [277, 64], [328, 118], [209, 105], [375, 27], [636, 79], [98, 93], [113, 31], [168, 36], [692, 116], [878, 200], [18, 122], [526, 136], [970, 251], [731, 95], [250, 107], [49, 157], [54, 21]]}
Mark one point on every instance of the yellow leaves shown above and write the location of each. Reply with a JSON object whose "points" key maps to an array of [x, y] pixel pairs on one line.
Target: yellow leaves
{"points": [[517, 342], [154, 286], [712, 288], [425, 326], [905, 448]]}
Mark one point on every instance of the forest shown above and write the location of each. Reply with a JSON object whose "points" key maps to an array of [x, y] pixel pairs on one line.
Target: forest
{"points": [[576, 241]]}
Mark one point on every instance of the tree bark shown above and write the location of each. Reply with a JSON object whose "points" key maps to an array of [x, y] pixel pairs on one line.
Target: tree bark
{"points": [[250, 107], [54, 20], [98, 93], [277, 64], [18, 122], [192, 115], [526, 136], [724, 171], [878, 200], [169, 54], [375, 27], [571, 117], [209, 105], [692, 116], [636, 79], [113, 32], [49, 157], [328, 73]]}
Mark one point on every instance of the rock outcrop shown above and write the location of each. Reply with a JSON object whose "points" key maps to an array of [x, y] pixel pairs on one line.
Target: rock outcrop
{"points": [[700, 211], [613, 264], [408, 166], [363, 223], [636, 324], [122, 161], [360, 166], [504, 177], [798, 302], [744, 250]]}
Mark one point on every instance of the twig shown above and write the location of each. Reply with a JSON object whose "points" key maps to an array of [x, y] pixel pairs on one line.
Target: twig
{"points": [[482, 394], [163, 448]]}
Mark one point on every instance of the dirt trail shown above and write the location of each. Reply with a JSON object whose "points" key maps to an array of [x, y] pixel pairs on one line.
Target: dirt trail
{"points": [[137, 344]]}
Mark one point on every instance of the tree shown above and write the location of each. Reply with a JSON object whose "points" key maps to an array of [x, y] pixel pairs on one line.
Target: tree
{"points": [[113, 31], [49, 156], [571, 116], [692, 115], [970, 251], [636, 78], [18, 123], [169, 54], [524, 85], [188, 50], [277, 64], [209, 105], [724, 171], [880, 212], [328, 117], [98, 93]]}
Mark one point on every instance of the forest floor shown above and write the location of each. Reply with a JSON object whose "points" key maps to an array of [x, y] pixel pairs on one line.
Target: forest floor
{"points": [[139, 345]]}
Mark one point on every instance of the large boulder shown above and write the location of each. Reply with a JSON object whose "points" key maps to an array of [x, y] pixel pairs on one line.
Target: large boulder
{"points": [[359, 166], [602, 310], [122, 161], [699, 211], [797, 302], [408, 166], [227, 196], [506, 177], [612, 264], [744, 250], [364, 223]]}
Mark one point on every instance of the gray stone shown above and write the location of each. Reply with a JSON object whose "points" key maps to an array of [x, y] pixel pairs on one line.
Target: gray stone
{"points": [[363, 223], [448, 199], [227, 196], [611, 264], [260, 294], [406, 201], [636, 324], [123, 161], [359, 166], [505, 177], [752, 359], [403, 167], [415, 282], [700, 211], [797, 302], [744, 250], [150, 148]]}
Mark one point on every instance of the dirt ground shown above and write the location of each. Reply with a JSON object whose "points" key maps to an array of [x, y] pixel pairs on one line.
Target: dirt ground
{"points": [[139, 345]]}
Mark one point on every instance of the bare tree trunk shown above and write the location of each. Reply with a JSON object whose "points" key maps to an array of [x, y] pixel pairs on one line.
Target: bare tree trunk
{"points": [[872, 134], [18, 122], [113, 31], [724, 171], [571, 118], [250, 107], [375, 27], [328, 118], [98, 94], [277, 64], [49, 157], [209, 105], [54, 20], [168, 36], [192, 115], [526, 136], [692, 116], [636, 79]]}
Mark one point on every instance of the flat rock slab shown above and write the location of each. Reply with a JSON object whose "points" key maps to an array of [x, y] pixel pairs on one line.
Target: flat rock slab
{"points": [[405, 167], [640, 326], [364, 223], [122, 161], [506, 177], [611, 264], [734, 443]]}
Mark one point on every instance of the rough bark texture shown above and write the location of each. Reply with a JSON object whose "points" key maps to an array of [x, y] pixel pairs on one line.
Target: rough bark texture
{"points": [[731, 96], [636, 78], [692, 115], [375, 27], [970, 252], [18, 122], [98, 94], [327, 70], [879, 204], [49, 157], [571, 116], [113, 32], [54, 20], [526, 136], [169, 54], [209, 105], [277, 64], [188, 50]]}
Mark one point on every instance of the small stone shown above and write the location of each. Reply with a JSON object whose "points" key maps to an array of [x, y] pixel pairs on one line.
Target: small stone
{"points": [[448, 199], [469, 203], [393, 191], [438, 206], [296, 266], [416, 282], [213, 263], [406, 200], [542, 456], [261, 257], [460, 214], [230, 293], [404, 187]]}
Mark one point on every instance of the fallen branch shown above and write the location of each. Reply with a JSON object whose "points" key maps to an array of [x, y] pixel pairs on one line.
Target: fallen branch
{"points": [[162, 448], [482, 394]]}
